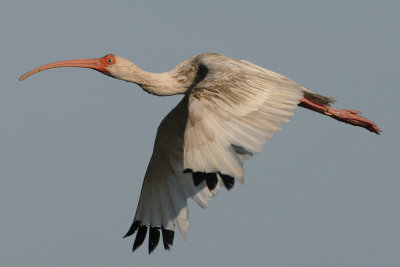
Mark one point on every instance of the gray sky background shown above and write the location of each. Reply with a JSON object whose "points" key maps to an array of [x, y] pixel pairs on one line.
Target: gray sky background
{"points": [[74, 144]]}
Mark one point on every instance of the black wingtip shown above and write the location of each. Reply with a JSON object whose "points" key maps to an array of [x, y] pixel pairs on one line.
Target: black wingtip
{"points": [[140, 236], [135, 225], [228, 180], [187, 170], [211, 180], [154, 238], [198, 178], [168, 238]]}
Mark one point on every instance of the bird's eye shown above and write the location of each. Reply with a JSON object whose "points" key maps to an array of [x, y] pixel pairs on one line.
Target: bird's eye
{"points": [[109, 60]]}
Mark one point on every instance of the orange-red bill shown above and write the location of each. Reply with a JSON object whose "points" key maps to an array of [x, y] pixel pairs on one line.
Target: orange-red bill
{"points": [[96, 63]]}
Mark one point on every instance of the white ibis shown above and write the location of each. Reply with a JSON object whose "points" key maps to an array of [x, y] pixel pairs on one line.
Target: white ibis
{"points": [[229, 110]]}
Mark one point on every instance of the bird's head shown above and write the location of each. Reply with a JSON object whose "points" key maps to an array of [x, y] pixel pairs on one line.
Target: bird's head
{"points": [[123, 69], [115, 66]]}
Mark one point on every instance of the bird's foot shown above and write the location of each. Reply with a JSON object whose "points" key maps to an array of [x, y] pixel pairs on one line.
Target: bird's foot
{"points": [[351, 117], [355, 112], [345, 115]]}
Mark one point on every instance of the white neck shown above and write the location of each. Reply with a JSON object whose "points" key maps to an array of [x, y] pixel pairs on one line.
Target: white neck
{"points": [[161, 84]]}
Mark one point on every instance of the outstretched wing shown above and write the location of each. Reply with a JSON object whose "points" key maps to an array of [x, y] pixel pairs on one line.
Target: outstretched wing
{"points": [[163, 199], [232, 108], [232, 112]]}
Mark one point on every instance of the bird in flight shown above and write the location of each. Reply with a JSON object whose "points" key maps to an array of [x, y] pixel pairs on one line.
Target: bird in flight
{"points": [[229, 110]]}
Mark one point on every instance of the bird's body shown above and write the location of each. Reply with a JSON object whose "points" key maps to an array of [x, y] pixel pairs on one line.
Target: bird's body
{"points": [[229, 110]]}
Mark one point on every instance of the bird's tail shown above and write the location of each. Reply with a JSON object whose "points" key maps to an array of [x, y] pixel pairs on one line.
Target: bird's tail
{"points": [[317, 98]]}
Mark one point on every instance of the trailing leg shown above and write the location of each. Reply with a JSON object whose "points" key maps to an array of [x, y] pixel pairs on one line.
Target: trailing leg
{"points": [[345, 115]]}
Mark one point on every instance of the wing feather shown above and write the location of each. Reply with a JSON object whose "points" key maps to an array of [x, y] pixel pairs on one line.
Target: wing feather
{"points": [[225, 118], [163, 198], [166, 188], [232, 112]]}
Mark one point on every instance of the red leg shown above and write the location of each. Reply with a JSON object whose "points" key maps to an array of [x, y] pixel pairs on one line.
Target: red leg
{"points": [[344, 115]]}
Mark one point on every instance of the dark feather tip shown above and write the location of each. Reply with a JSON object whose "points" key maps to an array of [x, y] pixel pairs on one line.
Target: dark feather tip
{"points": [[154, 238], [140, 236], [168, 238], [198, 178], [211, 180], [135, 225], [228, 180], [187, 170]]}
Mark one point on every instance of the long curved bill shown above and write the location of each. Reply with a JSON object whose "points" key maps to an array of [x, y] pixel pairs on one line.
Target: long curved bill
{"points": [[95, 63]]}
